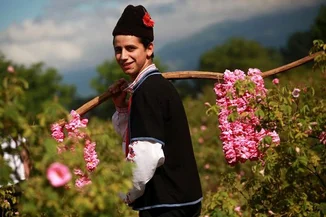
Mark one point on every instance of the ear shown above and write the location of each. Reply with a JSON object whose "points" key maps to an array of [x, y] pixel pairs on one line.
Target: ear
{"points": [[150, 50]]}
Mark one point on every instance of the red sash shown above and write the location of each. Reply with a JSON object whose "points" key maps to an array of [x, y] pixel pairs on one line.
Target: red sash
{"points": [[128, 128]]}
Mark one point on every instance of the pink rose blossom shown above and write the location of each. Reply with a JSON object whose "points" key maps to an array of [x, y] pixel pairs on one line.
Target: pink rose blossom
{"points": [[322, 138], [276, 81], [75, 122], [6, 202], [82, 181], [58, 174], [237, 209], [296, 93], [10, 69], [57, 132], [90, 155], [78, 172], [203, 127], [61, 148], [271, 212]]}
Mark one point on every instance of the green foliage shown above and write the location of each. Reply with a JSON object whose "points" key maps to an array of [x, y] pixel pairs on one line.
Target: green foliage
{"points": [[320, 60], [241, 54], [97, 199], [42, 84], [293, 174], [12, 126], [35, 196], [8, 200]]}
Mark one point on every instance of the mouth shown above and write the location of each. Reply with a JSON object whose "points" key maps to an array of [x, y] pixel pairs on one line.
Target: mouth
{"points": [[126, 65]]}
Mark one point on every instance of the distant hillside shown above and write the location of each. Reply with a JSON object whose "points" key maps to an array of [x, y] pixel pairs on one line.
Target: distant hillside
{"points": [[269, 30]]}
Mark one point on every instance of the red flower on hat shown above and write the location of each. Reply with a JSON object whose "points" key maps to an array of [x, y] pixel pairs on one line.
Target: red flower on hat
{"points": [[147, 20]]}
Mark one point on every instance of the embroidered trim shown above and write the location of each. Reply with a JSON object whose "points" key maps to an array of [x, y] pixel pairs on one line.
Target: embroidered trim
{"points": [[149, 139], [140, 76], [121, 110], [170, 205], [144, 78]]}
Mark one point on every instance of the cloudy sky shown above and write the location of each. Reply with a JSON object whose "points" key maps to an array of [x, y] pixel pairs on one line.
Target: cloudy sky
{"points": [[74, 34]]}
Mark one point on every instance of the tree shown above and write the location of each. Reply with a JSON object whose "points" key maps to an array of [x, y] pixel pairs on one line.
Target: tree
{"points": [[238, 53], [318, 29], [107, 72], [297, 46], [43, 85], [299, 43]]}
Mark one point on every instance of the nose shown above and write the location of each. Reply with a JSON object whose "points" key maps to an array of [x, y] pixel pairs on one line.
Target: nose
{"points": [[124, 54]]}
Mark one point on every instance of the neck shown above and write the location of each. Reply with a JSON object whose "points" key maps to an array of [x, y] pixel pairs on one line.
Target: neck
{"points": [[133, 77]]}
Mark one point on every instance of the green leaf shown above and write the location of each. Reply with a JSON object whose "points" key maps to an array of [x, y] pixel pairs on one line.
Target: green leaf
{"points": [[260, 113], [233, 116]]}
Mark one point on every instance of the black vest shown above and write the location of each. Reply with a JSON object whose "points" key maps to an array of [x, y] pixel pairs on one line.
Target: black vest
{"points": [[157, 113]]}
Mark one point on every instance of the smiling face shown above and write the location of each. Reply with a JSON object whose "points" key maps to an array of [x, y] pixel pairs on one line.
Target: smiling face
{"points": [[131, 54]]}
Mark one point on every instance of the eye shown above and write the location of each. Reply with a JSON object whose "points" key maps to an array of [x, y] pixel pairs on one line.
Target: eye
{"points": [[131, 48], [117, 50]]}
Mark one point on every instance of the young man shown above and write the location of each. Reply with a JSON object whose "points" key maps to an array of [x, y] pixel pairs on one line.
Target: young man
{"points": [[153, 124]]}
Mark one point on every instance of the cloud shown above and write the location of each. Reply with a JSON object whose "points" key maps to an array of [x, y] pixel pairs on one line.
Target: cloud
{"points": [[75, 34], [67, 45]]}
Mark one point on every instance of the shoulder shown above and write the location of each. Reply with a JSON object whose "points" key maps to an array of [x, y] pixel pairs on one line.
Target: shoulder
{"points": [[157, 90], [156, 84]]}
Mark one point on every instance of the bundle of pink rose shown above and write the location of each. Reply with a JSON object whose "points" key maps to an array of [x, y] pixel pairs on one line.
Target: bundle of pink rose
{"points": [[57, 173], [237, 97]]}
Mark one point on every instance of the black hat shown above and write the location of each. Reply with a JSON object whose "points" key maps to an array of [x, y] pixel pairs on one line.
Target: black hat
{"points": [[135, 20]]}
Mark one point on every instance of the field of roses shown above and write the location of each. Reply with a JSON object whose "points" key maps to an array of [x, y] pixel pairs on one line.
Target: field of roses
{"points": [[259, 145]]}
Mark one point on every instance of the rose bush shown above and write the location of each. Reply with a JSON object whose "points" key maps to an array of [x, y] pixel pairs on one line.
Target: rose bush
{"points": [[290, 180], [50, 190]]}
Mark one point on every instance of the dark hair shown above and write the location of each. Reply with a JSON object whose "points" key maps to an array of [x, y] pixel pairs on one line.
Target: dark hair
{"points": [[146, 42]]}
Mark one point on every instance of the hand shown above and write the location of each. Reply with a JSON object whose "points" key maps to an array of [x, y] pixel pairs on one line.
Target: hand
{"points": [[118, 95]]}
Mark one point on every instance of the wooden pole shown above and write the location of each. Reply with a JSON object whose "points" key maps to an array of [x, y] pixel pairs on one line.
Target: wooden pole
{"points": [[178, 75], [292, 65]]}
